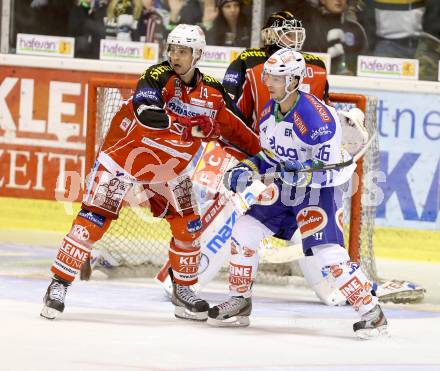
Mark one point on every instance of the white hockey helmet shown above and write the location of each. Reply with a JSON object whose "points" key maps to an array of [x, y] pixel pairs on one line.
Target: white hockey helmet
{"points": [[283, 29], [190, 36], [285, 66]]}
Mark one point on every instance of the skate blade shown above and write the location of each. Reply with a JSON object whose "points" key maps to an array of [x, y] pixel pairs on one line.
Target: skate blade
{"points": [[372, 333], [236, 321], [183, 313], [49, 313]]}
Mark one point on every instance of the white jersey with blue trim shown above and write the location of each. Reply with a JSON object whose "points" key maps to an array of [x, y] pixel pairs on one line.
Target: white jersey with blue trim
{"points": [[309, 131]]}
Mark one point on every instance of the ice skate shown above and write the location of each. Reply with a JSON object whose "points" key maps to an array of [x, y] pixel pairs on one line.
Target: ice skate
{"points": [[372, 324], [188, 305], [54, 299], [234, 312]]}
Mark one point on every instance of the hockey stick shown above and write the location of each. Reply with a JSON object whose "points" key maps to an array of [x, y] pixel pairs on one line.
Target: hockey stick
{"points": [[319, 166]]}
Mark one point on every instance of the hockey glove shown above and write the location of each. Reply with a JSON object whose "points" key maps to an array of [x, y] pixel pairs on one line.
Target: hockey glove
{"points": [[238, 178], [200, 127], [289, 174]]}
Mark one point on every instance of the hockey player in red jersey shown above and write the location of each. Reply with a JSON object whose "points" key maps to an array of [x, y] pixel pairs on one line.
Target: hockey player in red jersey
{"points": [[150, 141], [242, 79]]}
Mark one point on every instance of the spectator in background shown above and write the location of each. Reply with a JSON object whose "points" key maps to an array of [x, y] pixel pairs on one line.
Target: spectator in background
{"points": [[86, 25], [182, 11], [122, 17], [301, 8], [150, 27], [231, 27], [431, 18], [428, 46], [41, 17], [331, 30], [393, 27]]}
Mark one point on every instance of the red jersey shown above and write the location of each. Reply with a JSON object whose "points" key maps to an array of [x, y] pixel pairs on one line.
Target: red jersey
{"points": [[144, 140], [244, 84]]}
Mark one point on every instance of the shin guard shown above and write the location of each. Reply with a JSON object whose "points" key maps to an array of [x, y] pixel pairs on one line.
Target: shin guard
{"points": [[184, 263], [87, 228]]}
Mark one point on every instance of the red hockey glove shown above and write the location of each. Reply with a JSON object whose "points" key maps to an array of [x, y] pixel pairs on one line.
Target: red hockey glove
{"points": [[200, 127]]}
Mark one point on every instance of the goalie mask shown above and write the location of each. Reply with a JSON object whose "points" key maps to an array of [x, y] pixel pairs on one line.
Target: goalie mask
{"points": [[189, 36], [284, 30], [282, 68]]}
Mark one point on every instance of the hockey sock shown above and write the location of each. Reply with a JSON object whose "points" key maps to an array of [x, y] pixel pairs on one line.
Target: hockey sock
{"points": [[184, 263], [354, 285], [246, 237], [87, 228]]}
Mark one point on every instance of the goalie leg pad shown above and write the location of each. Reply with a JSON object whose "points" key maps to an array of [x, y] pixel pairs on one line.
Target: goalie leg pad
{"points": [[246, 237], [87, 228]]}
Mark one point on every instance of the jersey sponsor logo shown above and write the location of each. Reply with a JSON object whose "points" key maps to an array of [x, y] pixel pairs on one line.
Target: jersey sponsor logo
{"points": [[71, 256], [367, 299], [180, 108], [234, 246], [92, 217], [80, 232], [269, 196], [323, 130], [148, 94], [194, 226], [200, 102], [177, 88], [339, 217], [299, 123], [265, 111], [252, 53], [188, 264], [210, 80], [232, 77], [352, 291], [125, 124], [109, 194], [156, 72], [282, 151], [336, 270], [311, 220], [320, 109], [240, 275], [248, 252]]}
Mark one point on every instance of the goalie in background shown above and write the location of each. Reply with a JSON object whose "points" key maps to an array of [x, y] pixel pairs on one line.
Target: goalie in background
{"points": [[242, 79], [150, 141], [296, 131]]}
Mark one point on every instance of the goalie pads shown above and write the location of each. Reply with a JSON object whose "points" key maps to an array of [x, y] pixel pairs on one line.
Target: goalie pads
{"points": [[354, 133]]}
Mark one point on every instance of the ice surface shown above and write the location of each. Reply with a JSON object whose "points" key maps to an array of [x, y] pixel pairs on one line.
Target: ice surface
{"points": [[129, 325]]}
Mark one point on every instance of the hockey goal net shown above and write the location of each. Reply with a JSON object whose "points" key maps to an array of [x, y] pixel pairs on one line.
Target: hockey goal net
{"points": [[137, 243]]}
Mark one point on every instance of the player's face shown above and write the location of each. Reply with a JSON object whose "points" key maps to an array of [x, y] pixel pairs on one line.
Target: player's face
{"points": [[275, 84], [334, 6], [291, 39], [180, 58]]}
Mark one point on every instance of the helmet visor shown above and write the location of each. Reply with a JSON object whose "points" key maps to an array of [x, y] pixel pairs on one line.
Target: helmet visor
{"points": [[273, 80]]}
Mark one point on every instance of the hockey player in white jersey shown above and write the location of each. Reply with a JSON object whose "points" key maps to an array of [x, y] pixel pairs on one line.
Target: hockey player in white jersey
{"points": [[297, 131]]}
